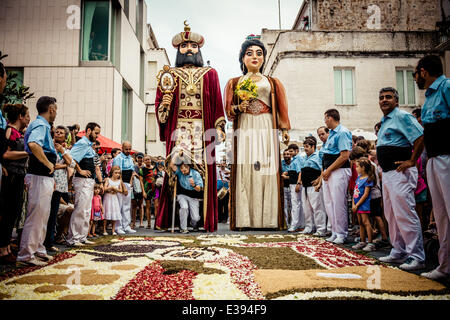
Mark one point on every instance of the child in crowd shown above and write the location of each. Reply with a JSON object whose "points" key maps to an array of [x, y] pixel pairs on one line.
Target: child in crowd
{"points": [[97, 212], [113, 186], [361, 202], [149, 172]]}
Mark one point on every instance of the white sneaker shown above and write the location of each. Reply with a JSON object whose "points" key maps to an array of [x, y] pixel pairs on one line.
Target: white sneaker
{"points": [[412, 264], [359, 246], [370, 247], [332, 238], [319, 234], [89, 242], [129, 230], [434, 275], [120, 232], [339, 240], [390, 259], [306, 231], [184, 231]]}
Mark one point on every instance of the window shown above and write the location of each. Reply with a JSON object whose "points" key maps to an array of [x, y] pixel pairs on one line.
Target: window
{"points": [[96, 31], [152, 71], [139, 19], [344, 86], [405, 87], [126, 114]]}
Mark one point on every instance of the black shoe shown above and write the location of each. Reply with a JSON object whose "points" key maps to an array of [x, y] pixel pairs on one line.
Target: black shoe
{"points": [[383, 244]]}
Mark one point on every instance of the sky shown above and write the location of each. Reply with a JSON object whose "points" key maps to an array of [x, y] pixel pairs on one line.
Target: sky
{"points": [[223, 23]]}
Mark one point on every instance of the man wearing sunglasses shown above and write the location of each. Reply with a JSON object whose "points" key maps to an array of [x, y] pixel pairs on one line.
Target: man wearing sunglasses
{"points": [[399, 145]]}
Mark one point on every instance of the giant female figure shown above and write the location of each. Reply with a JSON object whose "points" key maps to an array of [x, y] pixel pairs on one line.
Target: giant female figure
{"points": [[256, 193]]}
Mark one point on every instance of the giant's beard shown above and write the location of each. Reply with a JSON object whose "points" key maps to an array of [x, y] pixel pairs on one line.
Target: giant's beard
{"points": [[195, 59]]}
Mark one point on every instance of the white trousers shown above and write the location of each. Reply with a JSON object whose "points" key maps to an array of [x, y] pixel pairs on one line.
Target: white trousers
{"points": [[405, 231], [313, 207], [40, 191], [81, 215], [125, 208], [188, 205], [293, 204], [335, 200], [438, 175]]}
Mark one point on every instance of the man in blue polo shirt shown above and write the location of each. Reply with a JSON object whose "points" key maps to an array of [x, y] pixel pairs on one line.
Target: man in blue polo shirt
{"points": [[436, 121], [126, 164], [290, 170], [83, 184], [39, 180], [399, 135], [336, 175], [189, 193], [312, 200]]}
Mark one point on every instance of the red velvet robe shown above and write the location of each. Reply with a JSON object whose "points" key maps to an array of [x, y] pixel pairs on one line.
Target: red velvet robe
{"points": [[212, 113]]}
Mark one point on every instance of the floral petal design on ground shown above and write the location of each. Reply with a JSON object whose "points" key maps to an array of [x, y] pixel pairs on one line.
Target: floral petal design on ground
{"points": [[152, 284], [215, 267]]}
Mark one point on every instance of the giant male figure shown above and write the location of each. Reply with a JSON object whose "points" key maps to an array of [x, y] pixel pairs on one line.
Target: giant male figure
{"points": [[188, 119]]}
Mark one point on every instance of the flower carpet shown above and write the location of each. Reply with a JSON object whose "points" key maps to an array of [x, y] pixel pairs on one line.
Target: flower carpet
{"points": [[215, 267]]}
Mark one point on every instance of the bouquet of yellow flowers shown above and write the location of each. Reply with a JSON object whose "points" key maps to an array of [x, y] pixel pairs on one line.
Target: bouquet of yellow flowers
{"points": [[246, 90]]}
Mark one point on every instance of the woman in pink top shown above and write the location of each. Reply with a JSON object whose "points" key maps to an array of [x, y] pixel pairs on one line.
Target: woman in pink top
{"points": [[96, 211]]}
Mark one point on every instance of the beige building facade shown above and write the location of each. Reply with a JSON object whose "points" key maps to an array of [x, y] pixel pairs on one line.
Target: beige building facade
{"points": [[338, 55], [90, 55]]}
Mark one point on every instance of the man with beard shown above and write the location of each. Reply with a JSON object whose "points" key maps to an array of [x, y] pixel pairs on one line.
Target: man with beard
{"points": [[125, 162], [39, 179], [83, 183], [186, 119], [436, 121], [399, 145]]}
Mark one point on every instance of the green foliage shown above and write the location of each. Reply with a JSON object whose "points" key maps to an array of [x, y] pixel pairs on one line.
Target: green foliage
{"points": [[14, 91]]}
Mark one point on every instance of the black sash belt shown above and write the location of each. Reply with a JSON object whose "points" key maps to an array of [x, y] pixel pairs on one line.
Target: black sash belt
{"points": [[126, 175], [388, 155], [436, 138], [309, 175], [38, 168], [190, 193], [329, 159], [87, 164]]}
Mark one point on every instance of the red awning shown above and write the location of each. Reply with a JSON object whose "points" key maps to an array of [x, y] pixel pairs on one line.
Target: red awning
{"points": [[106, 145]]}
